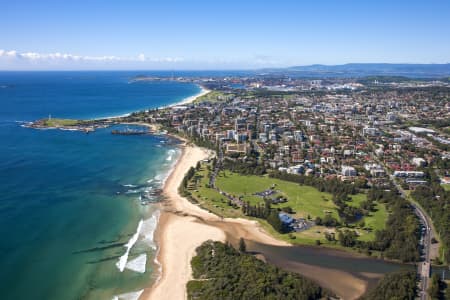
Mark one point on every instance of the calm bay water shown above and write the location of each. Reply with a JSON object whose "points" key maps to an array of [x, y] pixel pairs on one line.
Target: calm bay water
{"points": [[70, 201]]}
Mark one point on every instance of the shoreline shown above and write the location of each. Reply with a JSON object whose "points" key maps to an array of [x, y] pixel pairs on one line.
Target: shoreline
{"points": [[190, 99], [176, 245], [203, 91], [183, 226], [179, 219], [92, 124]]}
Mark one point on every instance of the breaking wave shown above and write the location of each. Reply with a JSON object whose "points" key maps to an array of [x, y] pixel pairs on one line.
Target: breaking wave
{"points": [[149, 227], [129, 296], [170, 155], [133, 191], [138, 264], [130, 185], [124, 258]]}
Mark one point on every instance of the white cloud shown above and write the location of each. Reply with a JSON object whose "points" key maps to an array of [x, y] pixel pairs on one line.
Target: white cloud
{"points": [[8, 54], [14, 60], [49, 57], [141, 57], [31, 55], [166, 59]]}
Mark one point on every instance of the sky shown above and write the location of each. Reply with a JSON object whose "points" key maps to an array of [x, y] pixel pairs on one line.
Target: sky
{"points": [[169, 34]]}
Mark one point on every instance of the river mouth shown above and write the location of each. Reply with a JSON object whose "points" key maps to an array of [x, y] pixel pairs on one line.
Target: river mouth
{"points": [[346, 274]]}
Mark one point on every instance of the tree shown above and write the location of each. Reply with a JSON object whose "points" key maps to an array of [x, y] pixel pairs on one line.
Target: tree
{"points": [[362, 224], [275, 221], [242, 245], [347, 238], [397, 285], [229, 274], [434, 291], [447, 292]]}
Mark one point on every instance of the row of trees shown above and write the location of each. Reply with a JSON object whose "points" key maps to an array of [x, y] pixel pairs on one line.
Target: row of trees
{"points": [[185, 182], [397, 285], [332, 186], [438, 289], [400, 239], [436, 201], [266, 212], [327, 221], [248, 166], [347, 238], [202, 142], [221, 272]]}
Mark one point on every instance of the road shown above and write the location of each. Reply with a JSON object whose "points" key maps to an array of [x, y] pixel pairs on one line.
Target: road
{"points": [[427, 235]]}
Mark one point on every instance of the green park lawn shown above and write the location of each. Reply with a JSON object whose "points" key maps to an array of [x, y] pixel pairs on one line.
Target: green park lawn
{"points": [[304, 200], [60, 122], [375, 221], [355, 200], [212, 96], [211, 199]]}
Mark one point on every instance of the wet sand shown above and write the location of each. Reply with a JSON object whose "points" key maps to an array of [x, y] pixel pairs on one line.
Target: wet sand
{"points": [[184, 226]]}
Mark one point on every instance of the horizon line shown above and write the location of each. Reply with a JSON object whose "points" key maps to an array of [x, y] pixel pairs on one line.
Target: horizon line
{"points": [[218, 69]]}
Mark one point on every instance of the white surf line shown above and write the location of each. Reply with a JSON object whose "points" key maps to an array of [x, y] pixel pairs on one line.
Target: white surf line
{"points": [[124, 258], [129, 185], [149, 228], [188, 100], [129, 296], [138, 264]]}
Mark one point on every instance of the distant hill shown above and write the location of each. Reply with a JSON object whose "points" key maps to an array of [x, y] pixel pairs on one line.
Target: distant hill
{"points": [[367, 69]]}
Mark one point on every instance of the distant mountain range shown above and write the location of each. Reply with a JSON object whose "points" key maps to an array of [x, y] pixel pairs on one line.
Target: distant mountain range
{"points": [[367, 69]]}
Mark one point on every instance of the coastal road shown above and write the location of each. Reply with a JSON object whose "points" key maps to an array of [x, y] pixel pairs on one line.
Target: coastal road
{"points": [[426, 236], [427, 233]]}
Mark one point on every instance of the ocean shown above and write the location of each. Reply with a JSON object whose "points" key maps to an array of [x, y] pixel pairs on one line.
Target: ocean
{"points": [[72, 225]]}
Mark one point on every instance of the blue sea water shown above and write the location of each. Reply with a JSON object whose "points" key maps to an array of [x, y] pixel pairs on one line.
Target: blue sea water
{"points": [[69, 201]]}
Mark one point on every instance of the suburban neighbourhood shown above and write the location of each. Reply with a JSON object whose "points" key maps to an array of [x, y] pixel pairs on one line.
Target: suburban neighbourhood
{"points": [[386, 140]]}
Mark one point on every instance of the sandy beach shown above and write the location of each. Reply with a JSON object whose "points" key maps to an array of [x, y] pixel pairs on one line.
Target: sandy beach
{"points": [[179, 235], [184, 226], [156, 127], [190, 99], [203, 91]]}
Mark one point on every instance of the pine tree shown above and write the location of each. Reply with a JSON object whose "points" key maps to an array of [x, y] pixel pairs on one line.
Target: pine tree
{"points": [[275, 221], [242, 245]]}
